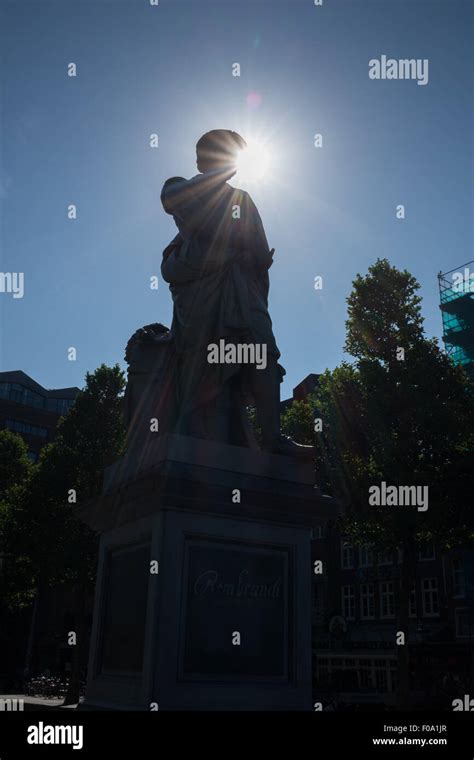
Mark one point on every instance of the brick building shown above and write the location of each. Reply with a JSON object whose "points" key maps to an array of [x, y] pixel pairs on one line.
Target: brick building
{"points": [[354, 622]]}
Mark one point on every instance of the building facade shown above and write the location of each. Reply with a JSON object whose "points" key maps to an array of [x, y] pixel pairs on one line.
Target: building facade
{"points": [[355, 606], [355, 609], [30, 410]]}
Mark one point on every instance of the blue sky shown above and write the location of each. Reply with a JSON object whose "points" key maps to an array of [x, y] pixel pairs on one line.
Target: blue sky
{"points": [[168, 70]]}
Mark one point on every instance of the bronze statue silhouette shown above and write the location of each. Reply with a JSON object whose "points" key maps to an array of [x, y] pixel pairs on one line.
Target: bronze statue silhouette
{"points": [[217, 269]]}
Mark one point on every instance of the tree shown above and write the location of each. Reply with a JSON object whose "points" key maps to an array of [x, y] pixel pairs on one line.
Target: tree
{"points": [[45, 536], [418, 422], [15, 466], [297, 421], [413, 427], [15, 473], [401, 413]]}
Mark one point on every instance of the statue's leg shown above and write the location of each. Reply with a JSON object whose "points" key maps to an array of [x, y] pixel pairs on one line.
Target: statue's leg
{"points": [[218, 415], [190, 407], [241, 432], [265, 387]]}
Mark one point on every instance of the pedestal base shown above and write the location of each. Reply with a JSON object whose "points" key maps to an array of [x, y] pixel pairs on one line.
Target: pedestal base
{"points": [[203, 597]]}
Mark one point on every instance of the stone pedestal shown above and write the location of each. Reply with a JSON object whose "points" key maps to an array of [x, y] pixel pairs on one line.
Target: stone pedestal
{"points": [[225, 622]]}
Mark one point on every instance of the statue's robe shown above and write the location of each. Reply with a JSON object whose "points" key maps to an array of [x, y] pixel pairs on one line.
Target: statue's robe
{"points": [[217, 269]]}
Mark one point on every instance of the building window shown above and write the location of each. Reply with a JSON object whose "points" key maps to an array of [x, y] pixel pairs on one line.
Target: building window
{"points": [[426, 552], [348, 602], [21, 395], [464, 620], [32, 399], [60, 405], [322, 671], [24, 427], [367, 601], [374, 675], [16, 392], [366, 555], [381, 677], [458, 577], [347, 551], [430, 597], [412, 601], [366, 674], [385, 557], [387, 609]]}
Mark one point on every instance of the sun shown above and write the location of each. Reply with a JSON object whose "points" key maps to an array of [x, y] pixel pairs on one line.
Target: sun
{"points": [[253, 162]]}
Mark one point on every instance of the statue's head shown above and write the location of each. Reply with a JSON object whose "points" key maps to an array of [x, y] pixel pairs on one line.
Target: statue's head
{"points": [[218, 149]]}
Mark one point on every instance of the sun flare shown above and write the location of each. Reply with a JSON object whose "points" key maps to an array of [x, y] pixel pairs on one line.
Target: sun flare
{"points": [[254, 162]]}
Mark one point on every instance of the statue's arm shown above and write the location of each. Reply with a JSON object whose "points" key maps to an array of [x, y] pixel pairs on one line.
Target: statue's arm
{"points": [[253, 238], [174, 267], [182, 262], [191, 199], [173, 246]]}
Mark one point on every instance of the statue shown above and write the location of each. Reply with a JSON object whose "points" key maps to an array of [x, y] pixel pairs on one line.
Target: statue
{"points": [[149, 394], [220, 355], [217, 269]]}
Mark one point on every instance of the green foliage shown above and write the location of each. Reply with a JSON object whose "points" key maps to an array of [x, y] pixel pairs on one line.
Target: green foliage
{"points": [[406, 418], [47, 544], [297, 421], [384, 312], [408, 422], [15, 466], [16, 471]]}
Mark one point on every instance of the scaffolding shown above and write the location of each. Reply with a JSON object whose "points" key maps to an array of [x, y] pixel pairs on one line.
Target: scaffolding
{"points": [[456, 293]]}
